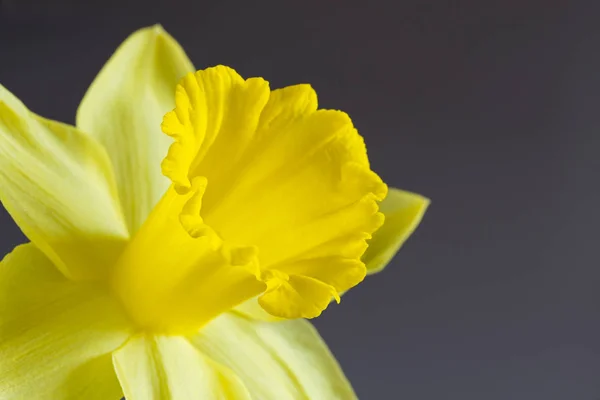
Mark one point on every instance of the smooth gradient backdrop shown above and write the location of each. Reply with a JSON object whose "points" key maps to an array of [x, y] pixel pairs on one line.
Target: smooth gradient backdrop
{"points": [[490, 108]]}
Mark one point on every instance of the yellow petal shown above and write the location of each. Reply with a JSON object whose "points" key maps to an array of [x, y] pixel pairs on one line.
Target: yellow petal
{"points": [[296, 295], [279, 175], [285, 360], [170, 368], [58, 185], [403, 212], [56, 335], [123, 109]]}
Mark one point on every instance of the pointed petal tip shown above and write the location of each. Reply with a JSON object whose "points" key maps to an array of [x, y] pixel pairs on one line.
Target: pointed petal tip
{"points": [[158, 30], [426, 202], [150, 32], [404, 212]]}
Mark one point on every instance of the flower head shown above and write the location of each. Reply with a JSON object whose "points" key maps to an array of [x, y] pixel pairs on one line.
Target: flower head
{"points": [[194, 286]]}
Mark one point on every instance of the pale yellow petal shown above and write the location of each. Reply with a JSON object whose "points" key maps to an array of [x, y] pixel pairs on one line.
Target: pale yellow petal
{"points": [[170, 368], [58, 185], [284, 360], [123, 109], [251, 309], [56, 336], [403, 212]]}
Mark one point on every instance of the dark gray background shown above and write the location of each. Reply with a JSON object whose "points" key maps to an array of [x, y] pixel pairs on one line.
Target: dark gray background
{"points": [[488, 107]]}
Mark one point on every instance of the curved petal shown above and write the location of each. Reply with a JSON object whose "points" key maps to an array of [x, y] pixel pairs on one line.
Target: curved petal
{"points": [[275, 360], [56, 335], [170, 368], [403, 212], [58, 185], [123, 109]]}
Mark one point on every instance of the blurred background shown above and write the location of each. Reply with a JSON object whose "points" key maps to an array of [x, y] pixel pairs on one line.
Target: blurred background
{"points": [[490, 108]]}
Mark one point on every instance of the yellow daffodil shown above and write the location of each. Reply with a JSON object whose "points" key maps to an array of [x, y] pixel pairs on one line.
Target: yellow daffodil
{"points": [[183, 266]]}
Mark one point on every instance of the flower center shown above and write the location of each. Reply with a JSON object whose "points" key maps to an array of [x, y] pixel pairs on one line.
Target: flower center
{"points": [[173, 280], [270, 198]]}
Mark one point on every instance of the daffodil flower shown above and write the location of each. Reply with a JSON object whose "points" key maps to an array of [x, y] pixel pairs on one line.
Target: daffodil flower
{"points": [[183, 266]]}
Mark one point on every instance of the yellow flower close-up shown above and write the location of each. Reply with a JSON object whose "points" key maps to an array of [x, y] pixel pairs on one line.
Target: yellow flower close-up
{"points": [[184, 264]]}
